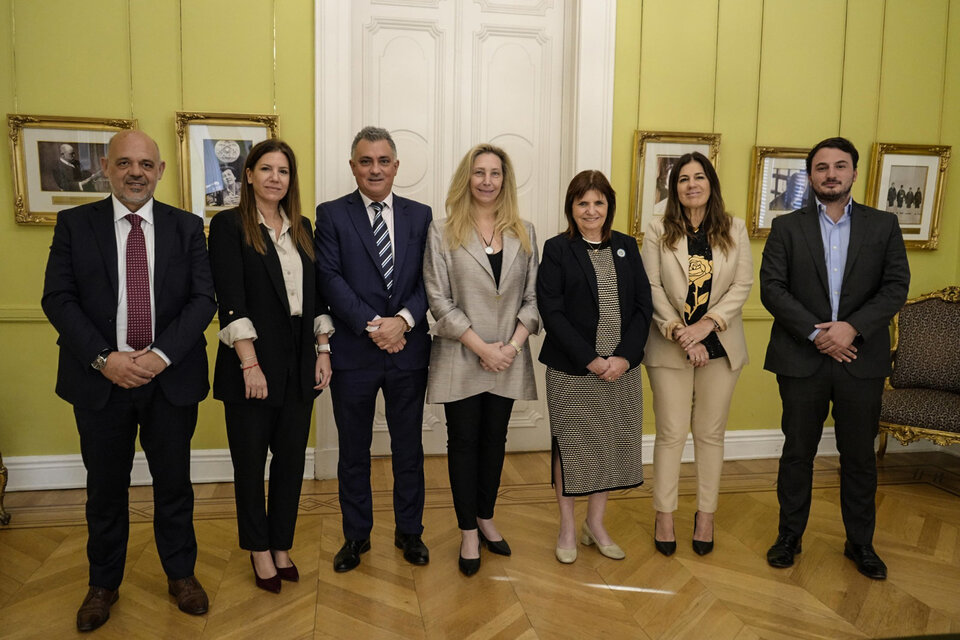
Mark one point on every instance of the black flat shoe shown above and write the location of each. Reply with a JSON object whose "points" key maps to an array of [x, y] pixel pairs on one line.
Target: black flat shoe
{"points": [[414, 551], [700, 547], [867, 561], [349, 555], [780, 555], [499, 547], [469, 566]]}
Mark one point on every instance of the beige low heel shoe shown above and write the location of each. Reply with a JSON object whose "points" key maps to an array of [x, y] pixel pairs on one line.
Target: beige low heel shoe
{"points": [[566, 556], [612, 551]]}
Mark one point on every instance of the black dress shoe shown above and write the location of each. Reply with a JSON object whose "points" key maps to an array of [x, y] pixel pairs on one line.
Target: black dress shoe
{"points": [[667, 548], [499, 547], [700, 547], [95, 609], [469, 566], [867, 560], [780, 555], [349, 555], [414, 551]]}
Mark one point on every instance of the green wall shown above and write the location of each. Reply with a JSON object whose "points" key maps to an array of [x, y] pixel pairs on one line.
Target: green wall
{"points": [[770, 72]]}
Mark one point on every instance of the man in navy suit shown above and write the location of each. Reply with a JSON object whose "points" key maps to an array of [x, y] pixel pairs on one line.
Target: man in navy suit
{"points": [[128, 288], [833, 275], [370, 247]]}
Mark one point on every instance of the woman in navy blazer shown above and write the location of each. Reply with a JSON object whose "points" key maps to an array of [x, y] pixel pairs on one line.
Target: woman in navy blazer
{"points": [[594, 300], [274, 355]]}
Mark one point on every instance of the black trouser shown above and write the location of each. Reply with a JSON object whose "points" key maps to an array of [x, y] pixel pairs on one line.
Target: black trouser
{"points": [[107, 438], [476, 438], [856, 414]]}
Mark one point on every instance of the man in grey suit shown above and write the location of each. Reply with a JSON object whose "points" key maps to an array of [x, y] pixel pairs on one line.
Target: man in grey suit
{"points": [[833, 275]]}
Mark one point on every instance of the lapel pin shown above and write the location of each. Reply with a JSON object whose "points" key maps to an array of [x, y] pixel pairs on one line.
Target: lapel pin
{"points": [[621, 253]]}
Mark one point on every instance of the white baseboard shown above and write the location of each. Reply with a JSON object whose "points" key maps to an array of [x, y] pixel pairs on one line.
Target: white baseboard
{"points": [[30, 473]]}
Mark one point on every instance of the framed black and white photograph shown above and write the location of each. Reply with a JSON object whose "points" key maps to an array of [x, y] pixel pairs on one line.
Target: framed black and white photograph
{"points": [[778, 185], [213, 149], [56, 163], [654, 155], [907, 180]]}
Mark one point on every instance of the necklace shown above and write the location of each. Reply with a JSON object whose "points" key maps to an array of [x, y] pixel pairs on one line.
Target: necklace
{"points": [[593, 245], [487, 245]]}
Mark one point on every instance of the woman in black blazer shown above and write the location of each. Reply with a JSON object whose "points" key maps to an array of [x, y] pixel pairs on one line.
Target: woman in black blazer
{"points": [[274, 356], [594, 299]]}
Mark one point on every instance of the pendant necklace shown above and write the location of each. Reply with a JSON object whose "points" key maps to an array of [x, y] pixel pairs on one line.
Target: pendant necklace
{"points": [[487, 246], [593, 245]]}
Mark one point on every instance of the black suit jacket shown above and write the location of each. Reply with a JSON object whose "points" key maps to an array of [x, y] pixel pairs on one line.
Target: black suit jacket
{"points": [[568, 300], [250, 285], [80, 296], [794, 289], [347, 264]]}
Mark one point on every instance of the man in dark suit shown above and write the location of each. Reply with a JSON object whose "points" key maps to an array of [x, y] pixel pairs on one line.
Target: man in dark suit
{"points": [[129, 290], [370, 247], [833, 275]]}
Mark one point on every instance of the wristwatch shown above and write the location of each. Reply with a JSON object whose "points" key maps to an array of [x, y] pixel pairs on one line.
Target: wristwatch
{"points": [[322, 348], [101, 360]]}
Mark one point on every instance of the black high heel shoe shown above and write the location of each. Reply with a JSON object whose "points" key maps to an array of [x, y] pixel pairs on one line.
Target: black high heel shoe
{"points": [[469, 566], [499, 547], [700, 547], [667, 548]]}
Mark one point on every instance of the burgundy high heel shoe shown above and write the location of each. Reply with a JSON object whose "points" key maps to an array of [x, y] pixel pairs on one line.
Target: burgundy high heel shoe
{"points": [[271, 584], [290, 574]]}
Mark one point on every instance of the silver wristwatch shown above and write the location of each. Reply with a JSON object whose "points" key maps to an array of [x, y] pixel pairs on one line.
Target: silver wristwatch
{"points": [[322, 348], [101, 360]]}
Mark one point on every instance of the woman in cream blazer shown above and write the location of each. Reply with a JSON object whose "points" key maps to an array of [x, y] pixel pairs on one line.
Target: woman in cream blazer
{"points": [[480, 273], [696, 346]]}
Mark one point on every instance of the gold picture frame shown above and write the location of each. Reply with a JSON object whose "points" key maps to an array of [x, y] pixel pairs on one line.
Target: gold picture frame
{"points": [[56, 163], [654, 153], [213, 148], [778, 185], [915, 166]]}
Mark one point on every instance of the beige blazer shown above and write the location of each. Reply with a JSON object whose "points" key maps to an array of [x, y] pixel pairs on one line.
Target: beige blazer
{"points": [[462, 295], [669, 282]]}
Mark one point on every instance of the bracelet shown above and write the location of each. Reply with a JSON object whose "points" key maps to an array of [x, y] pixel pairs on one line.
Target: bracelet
{"points": [[255, 364], [716, 325], [248, 359], [513, 343]]}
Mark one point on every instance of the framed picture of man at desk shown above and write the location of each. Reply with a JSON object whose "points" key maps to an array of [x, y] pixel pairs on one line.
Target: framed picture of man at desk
{"points": [[56, 163], [778, 185], [654, 155], [213, 150], [907, 180]]}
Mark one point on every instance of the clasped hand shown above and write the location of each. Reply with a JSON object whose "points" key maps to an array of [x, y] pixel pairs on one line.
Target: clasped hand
{"points": [[497, 356], [690, 335], [132, 369], [836, 340], [608, 369], [388, 333]]}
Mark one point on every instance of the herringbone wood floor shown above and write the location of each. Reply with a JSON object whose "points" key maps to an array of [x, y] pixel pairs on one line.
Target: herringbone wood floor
{"points": [[731, 593]]}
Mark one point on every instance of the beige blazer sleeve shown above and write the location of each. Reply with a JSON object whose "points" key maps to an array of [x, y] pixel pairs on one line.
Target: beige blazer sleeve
{"points": [[463, 294], [669, 281]]}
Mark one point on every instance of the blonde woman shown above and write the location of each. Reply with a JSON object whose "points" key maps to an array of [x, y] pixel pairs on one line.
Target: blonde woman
{"points": [[480, 272]]}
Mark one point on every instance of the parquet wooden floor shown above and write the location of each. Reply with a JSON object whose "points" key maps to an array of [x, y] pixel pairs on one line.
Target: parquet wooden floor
{"points": [[729, 594]]}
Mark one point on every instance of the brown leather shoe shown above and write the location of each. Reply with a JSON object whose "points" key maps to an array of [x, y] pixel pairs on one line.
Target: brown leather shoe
{"points": [[191, 598], [95, 609]]}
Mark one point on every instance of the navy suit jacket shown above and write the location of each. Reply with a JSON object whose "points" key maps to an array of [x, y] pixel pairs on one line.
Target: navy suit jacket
{"points": [[80, 297], [794, 289], [353, 286]]}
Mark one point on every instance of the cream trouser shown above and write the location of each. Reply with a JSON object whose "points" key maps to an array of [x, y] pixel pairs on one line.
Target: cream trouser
{"points": [[685, 400]]}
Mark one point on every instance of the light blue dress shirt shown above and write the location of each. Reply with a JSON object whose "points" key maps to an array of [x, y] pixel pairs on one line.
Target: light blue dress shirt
{"points": [[836, 241]]}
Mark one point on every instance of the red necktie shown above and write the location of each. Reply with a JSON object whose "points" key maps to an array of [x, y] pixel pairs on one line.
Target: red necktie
{"points": [[139, 330]]}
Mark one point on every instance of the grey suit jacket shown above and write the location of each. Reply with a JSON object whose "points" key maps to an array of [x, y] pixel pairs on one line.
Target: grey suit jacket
{"points": [[463, 295], [669, 282]]}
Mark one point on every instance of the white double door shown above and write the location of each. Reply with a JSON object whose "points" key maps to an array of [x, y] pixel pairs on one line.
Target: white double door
{"points": [[442, 76]]}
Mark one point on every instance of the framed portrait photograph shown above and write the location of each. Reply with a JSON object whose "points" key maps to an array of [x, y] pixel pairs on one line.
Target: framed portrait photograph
{"points": [[778, 185], [56, 163], [908, 179], [213, 149], [654, 155]]}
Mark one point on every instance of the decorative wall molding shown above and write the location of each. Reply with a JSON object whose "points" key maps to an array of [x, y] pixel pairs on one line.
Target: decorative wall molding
{"points": [[32, 473]]}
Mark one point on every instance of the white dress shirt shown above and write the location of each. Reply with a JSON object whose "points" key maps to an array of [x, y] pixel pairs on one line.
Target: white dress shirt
{"points": [[387, 214]]}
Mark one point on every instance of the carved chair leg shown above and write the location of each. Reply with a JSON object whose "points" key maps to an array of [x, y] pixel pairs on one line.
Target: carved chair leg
{"points": [[882, 448], [4, 514]]}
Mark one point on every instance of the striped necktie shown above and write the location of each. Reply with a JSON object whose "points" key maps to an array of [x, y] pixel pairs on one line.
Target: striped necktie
{"points": [[381, 235]]}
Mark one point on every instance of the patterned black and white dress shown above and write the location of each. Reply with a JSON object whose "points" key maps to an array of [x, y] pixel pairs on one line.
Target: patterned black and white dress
{"points": [[597, 426]]}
